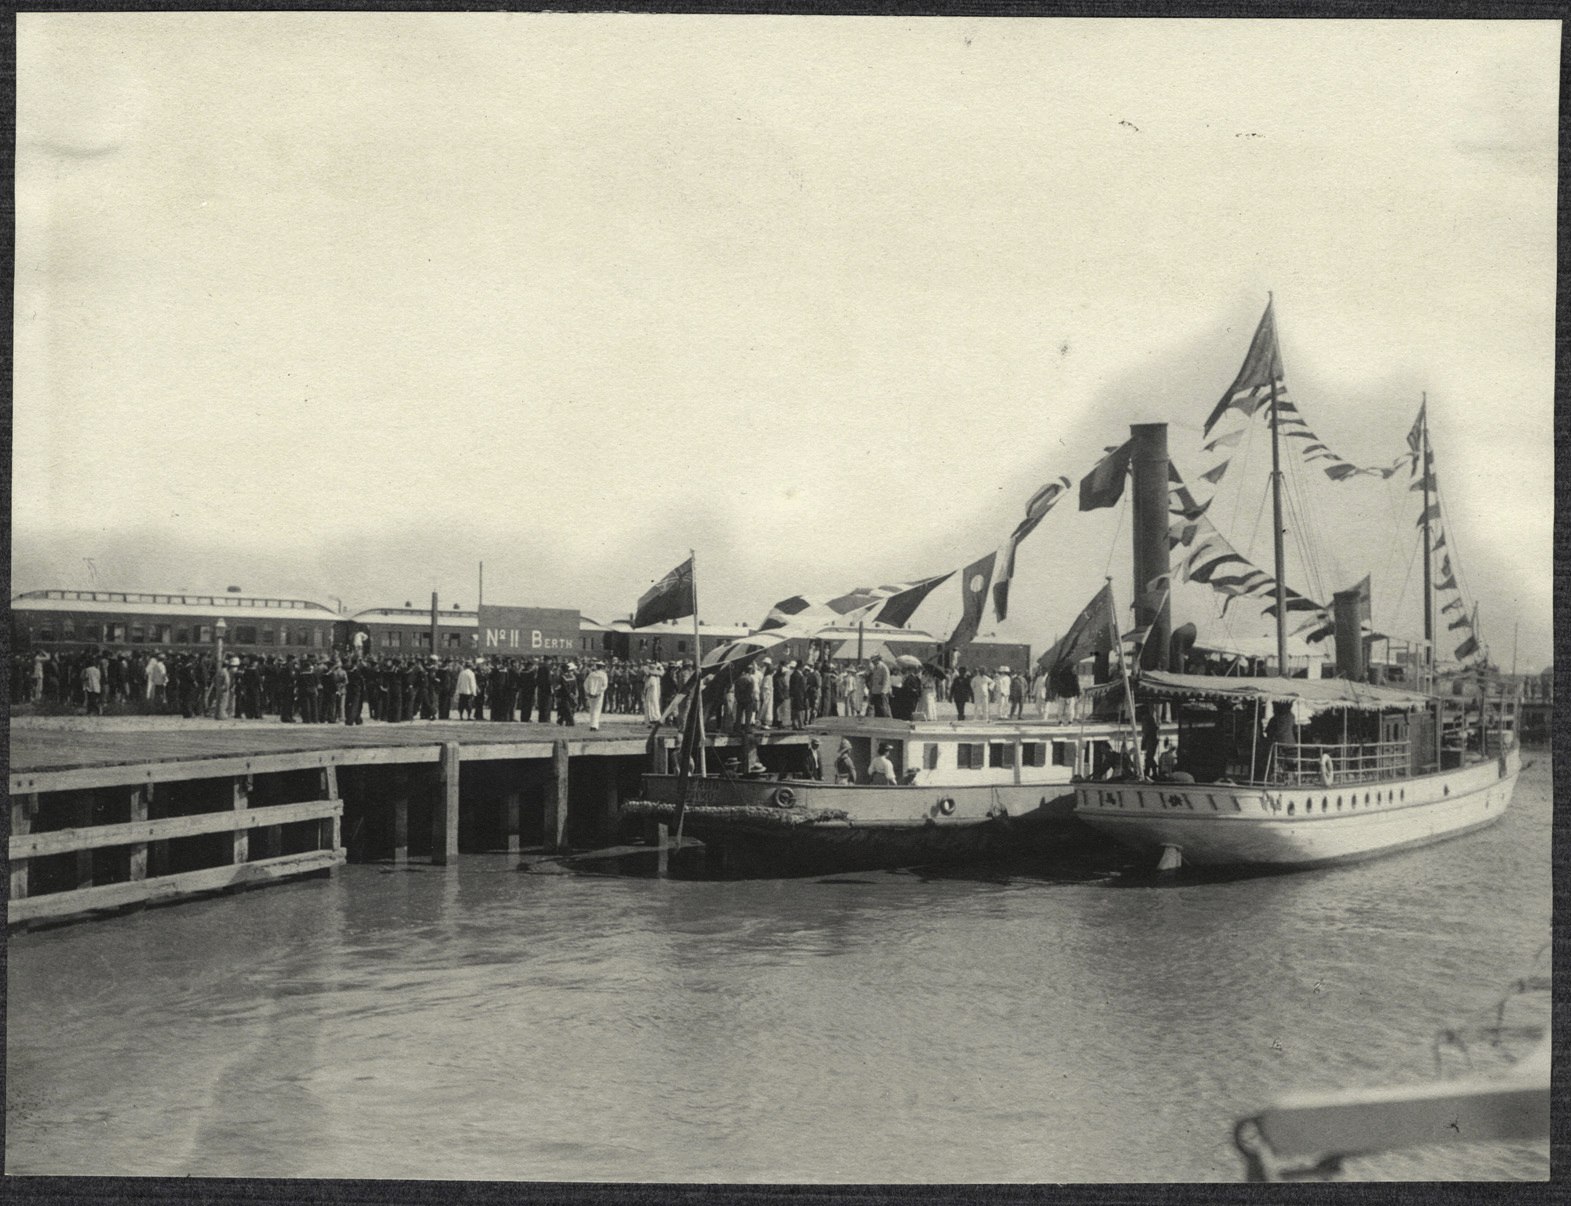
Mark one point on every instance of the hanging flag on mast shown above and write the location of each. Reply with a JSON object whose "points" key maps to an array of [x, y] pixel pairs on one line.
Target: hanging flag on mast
{"points": [[1093, 631], [671, 598], [1104, 485], [1261, 369], [1040, 503], [974, 581]]}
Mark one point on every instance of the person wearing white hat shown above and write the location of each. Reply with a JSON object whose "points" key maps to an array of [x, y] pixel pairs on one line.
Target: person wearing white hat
{"points": [[595, 684], [1001, 685]]}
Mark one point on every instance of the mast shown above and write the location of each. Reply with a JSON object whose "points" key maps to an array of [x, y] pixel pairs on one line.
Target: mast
{"points": [[1429, 587], [1276, 516], [698, 669]]}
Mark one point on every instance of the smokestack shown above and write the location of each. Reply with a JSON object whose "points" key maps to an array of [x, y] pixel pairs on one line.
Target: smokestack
{"points": [[1153, 605], [1347, 606]]}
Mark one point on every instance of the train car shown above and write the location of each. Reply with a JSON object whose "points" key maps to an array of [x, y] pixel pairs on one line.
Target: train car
{"points": [[66, 620], [406, 630]]}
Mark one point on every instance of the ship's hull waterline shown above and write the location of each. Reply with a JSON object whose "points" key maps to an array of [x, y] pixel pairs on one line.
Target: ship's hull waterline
{"points": [[1235, 825]]}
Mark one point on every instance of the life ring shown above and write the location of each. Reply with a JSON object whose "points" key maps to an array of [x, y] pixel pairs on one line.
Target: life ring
{"points": [[784, 797], [1327, 770], [946, 806]]}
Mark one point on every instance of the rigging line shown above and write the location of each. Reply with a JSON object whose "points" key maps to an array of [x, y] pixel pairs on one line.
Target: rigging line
{"points": [[1407, 578], [1307, 553], [1118, 527]]}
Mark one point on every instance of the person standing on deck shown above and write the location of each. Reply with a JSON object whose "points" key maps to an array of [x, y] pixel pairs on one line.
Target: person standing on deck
{"points": [[567, 695], [982, 688], [1001, 685], [746, 699], [881, 770], [652, 674], [929, 695], [1282, 730], [766, 694], [960, 691], [878, 686], [543, 690], [1149, 731], [1017, 696], [596, 683], [92, 689], [466, 691], [845, 764], [796, 692]]}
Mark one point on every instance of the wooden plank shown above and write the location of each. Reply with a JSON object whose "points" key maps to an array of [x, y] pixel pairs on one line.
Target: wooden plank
{"points": [[331, 835], [23, 809], [111, 896], [444, 810], [494, 751], [139, 797], [64, 841], [83, 809], [556, 800], [89, 777], [241, 797]]}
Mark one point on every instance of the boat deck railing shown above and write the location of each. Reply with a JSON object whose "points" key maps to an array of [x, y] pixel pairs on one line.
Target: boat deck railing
{"points": [[1302, 764]]}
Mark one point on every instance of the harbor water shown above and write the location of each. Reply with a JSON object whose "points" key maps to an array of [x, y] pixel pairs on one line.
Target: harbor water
{"points": [[1029, 1024]]}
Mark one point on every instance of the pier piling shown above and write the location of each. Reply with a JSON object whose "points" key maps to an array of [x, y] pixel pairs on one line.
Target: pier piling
{"points": [[556, 799], [444, 813]]}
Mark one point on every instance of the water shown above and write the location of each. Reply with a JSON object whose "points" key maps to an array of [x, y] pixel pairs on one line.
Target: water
{"points": [[476, 1022]]}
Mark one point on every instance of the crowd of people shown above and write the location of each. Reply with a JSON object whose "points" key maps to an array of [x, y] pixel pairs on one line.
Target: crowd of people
{"points": [[347, 688]]}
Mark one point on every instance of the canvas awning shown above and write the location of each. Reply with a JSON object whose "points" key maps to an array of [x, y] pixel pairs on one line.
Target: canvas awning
{"points": [[1317, 694]]}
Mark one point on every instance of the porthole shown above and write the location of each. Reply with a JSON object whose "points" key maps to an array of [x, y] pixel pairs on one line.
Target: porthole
{"points": [[1366, 798], [1324, 803], [1448, 789], [1339, 803]]}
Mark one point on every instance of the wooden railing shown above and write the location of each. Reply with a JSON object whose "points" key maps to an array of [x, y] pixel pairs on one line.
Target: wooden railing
{"points": [[1303, 764], [145, 868]]}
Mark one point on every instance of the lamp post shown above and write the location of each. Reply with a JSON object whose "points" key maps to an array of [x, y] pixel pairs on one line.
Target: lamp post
{"points": [[218, 670]]}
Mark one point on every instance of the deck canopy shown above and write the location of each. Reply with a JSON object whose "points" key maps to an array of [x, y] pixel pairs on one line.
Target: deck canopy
{"points": [[1317, 694]]}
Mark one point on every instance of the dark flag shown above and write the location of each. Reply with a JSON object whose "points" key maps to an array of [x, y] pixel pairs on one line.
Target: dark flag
{"points": [[1095, 630], [973, 590], [1104, 485], [671, 598], [899, 608], [1037, 506], [1467, 648], [1261, 368]]}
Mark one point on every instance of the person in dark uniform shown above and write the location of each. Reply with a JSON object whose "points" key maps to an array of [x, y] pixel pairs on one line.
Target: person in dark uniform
{"points": [[543, 690], [1148, 740], [446, 680], [567, 695], [354, 691], [307, 688], [286, 690]]}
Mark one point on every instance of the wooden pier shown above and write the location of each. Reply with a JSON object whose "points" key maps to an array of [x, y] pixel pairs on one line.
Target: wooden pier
{"points": [[112, 818]]}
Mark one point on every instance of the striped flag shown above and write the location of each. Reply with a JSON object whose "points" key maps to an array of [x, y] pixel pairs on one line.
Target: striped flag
{"points": [[892, 604], [1037, 506], [1262, 368]]}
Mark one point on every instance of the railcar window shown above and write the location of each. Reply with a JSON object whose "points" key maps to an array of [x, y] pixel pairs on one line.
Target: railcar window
{"points": [[161, 633], [67, 630], [204, 634], [138, 634], [182, 636], [267, 636], [245, 634], [46, 634], [116, 633], [92, 632]]}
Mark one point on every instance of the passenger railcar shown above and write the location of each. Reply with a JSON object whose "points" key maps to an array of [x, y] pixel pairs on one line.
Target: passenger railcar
{"points": [[64, 620]]}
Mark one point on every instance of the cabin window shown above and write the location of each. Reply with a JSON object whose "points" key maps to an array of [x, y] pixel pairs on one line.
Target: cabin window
{"points": [[930, 756], [969, 756], [1001, 753], [245, 635], [1033, 753], [1063, 753]]}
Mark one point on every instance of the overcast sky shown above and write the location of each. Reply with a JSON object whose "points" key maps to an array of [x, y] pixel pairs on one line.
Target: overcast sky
{"points": [[342, 304]]}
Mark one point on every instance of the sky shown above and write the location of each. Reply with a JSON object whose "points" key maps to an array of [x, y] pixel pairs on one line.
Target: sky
{"points": [[339, 305]]}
